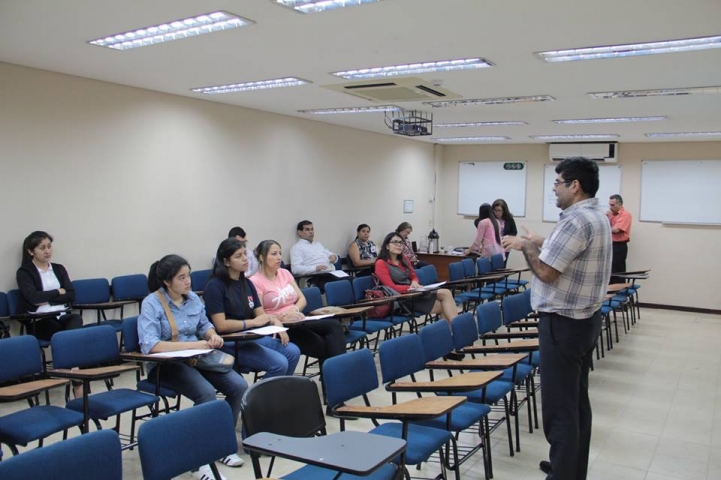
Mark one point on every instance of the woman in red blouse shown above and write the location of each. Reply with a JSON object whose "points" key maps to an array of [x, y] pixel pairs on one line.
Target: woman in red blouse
{"points": [[393, 270]]}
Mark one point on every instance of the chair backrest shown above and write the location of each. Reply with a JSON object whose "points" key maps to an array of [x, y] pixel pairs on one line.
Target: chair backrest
{"points": [[437, 340], [339, 293], [198, 279], [515, 307], [349, 375], [422, 276], [465, 332], [19, 357], [13, 297], [488, 316], [173, 444], [484, 265], [85, 347], [4, 311], [130, 287], [469, 267], [360, 285], [455, 271], [91, 290], [131, 340], [497, 262], [400, 357], [432, 273], [313, 299], [285, 406], [92, 456]]}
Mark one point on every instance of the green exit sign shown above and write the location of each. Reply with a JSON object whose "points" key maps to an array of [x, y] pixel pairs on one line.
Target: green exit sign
{"points": [[513, 166]]}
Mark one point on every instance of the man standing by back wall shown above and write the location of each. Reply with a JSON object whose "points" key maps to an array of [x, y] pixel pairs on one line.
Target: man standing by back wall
{"points": [[620, 234]]}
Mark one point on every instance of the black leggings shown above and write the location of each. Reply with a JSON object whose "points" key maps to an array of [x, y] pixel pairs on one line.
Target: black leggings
{"points": [[44, 329], [320, 339]]}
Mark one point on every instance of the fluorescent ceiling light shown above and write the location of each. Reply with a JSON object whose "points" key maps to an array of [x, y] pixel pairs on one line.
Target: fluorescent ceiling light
{"points": [[414, 68], [473, 139], [259, 85], [327, 111], [479, 124], [175, 30], [610, 120], [590, 136], [314, 6], [655, 93], [631, 49], [683, 134], [490, 101]]}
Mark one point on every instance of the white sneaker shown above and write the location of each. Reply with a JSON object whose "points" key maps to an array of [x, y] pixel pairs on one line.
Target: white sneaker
{"points": [[232, 460], [205, 473]]}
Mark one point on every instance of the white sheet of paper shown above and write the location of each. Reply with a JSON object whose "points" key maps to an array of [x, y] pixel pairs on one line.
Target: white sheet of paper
{"points": [[339, 273], [317, 317], [268, 330], [424, 288], [50, 308], [183, 353]]}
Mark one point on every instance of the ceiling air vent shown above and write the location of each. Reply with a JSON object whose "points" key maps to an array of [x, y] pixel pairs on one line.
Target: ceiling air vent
{"points": [[408, 89]]}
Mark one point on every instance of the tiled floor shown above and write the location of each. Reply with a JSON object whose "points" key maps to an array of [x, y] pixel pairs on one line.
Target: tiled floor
{"points": [[657, 411]]}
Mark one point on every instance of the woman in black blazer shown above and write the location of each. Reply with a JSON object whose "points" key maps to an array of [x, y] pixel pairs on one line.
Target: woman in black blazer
{"points": [[45, 287]]}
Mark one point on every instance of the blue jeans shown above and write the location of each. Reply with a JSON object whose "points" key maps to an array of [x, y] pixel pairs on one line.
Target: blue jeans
{"points": [[200, 385], [266, 354]]}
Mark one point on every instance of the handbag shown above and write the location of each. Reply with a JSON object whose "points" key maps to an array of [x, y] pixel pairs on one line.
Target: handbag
{"points": [[215, 361], [375, 293]]}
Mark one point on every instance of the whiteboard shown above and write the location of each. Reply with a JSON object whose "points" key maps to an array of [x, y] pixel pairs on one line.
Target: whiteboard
{"points": [[609, 177], [681, 191], [484, 182]]}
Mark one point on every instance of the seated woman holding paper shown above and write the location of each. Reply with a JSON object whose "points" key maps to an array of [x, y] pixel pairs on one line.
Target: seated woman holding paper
{"points": [[45, 287], [233, 305], [173, 318], [394, 270], [280, 296]]}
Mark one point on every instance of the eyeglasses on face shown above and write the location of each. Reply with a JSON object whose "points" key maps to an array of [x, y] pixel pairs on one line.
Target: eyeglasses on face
{"points": [[396, 242], [562, 182]]}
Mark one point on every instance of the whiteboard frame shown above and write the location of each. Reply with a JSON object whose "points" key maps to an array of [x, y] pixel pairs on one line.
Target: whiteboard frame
{"points": [[517, 208]]}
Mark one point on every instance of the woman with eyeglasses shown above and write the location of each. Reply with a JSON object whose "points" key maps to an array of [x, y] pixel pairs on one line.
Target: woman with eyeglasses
{"points": [[488, 234], [395, 271]]}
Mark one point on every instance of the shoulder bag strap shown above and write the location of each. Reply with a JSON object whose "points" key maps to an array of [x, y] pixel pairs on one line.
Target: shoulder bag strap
{"points": [[169, 314]]}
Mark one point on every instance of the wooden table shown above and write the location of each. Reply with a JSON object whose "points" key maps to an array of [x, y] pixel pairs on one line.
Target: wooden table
{"points": [[488, 362], [517, 346], [441, 262], [460, 383]]}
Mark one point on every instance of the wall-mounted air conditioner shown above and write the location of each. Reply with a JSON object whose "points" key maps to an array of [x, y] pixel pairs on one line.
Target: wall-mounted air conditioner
{"points": [[599, 152]]}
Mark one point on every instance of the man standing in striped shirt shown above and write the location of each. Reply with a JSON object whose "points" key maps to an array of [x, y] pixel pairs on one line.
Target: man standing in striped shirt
{"points": [[570, 277]]}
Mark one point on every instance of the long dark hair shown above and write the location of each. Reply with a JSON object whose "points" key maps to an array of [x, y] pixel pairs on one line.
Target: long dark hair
{"points": [[227, 249], [31, 242], [164, 270], [386, 255], [485, 211], [507, 215]]}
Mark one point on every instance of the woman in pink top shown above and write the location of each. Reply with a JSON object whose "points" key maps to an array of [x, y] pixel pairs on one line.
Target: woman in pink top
{"points": [[280, 296], [488, 235]]}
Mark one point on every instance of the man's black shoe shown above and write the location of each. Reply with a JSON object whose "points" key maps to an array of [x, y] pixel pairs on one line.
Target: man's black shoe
{"points": [[545, 466], [454, 356]]}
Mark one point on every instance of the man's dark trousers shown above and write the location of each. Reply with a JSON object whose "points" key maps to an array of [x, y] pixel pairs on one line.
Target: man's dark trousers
{"points": [[618, 262], [566, 349]]}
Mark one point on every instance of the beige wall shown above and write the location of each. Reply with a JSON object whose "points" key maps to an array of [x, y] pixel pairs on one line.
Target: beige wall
{"points": [[686, 268], [121, 176]]}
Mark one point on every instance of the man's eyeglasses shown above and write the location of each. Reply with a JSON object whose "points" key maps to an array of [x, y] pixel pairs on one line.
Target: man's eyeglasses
{"points": [[561, 182], [396, 242]]}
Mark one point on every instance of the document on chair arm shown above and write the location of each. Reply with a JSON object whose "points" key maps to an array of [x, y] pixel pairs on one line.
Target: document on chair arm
{"points": [[268, 330], [194, 352], [424, 288]]}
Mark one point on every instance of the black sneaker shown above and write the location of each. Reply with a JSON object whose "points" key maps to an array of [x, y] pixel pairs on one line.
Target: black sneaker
{"points": [[545, 466]]}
